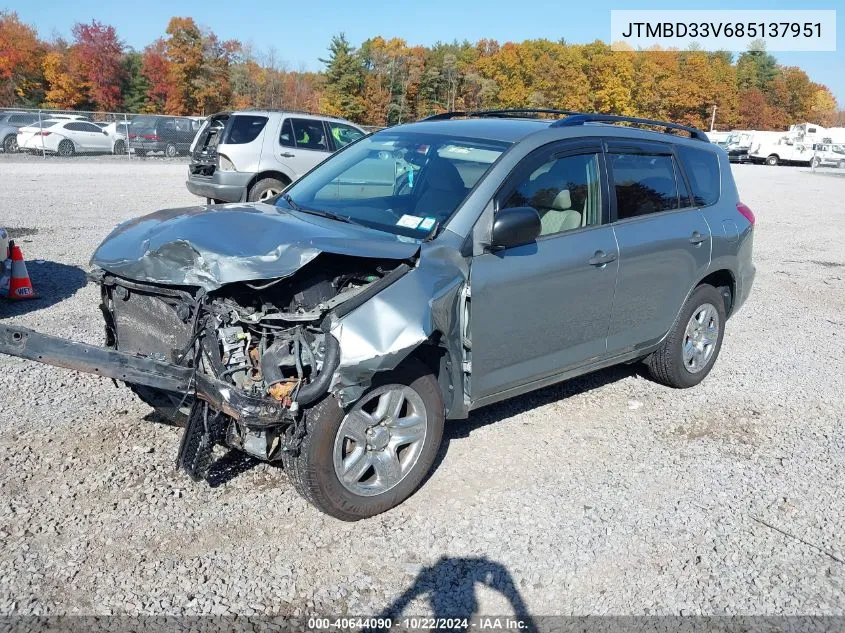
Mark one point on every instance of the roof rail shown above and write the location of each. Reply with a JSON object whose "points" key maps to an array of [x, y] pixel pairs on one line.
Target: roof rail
{"points": [[494, 113], [289, 111], [580, 118]]}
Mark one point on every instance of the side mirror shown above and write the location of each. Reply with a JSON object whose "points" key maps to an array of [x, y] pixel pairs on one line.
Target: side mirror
{"points": [[514, 227], [106, 133]]}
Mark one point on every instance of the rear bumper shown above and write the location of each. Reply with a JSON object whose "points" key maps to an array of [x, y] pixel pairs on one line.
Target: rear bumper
{"points": [[252, 411], [229, 186]]}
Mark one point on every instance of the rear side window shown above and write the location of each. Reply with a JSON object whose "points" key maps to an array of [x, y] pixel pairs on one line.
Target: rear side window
{"points": [[702, 169], [343, 134], [644, 184], [245, 128]]}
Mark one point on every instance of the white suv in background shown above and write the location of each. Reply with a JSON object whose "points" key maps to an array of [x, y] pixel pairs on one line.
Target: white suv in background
{"points": [[251, 155]]}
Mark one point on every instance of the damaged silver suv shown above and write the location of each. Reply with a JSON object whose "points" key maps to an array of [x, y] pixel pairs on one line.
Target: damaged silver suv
{"points": [[420, 273]]}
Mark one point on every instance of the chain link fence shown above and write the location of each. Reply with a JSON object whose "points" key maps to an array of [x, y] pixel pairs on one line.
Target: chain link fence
{"points": [[70, 133]]}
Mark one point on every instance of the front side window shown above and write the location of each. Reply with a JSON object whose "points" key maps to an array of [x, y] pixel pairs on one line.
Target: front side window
{"points": [[565, 191], [644, 184], [343, 134], [399, 182]]}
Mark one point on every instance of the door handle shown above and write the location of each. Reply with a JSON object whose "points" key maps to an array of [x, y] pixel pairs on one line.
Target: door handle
{"points": [[697, 238], [601, 258], [287, 155]]}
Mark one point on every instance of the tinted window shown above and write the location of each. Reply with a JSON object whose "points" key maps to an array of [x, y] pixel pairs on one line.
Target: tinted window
{"points": [[74, 127], [286, 135], [90, 127], [245, 128], [343, 134], [644, 184], [565, 191], [702, 168], [22, 119], [309, 134]]}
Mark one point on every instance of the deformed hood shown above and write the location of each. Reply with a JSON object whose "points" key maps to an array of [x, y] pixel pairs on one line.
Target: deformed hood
{"points": [[212, 246]]}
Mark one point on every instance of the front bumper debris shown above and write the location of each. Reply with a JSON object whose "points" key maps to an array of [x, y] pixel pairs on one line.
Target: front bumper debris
{"points": [[251, 411]]}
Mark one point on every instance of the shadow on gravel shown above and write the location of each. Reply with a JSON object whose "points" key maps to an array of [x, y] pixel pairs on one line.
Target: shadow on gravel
{"points": [[229, 466], [53, 282], [450, 586], [493, 413]]}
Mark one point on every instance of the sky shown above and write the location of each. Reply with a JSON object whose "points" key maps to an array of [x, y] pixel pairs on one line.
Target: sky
{"points": [[300, 31]]}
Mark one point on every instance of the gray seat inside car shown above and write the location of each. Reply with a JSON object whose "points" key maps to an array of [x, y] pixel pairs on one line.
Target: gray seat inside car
{"points": [[442, 188], [559, 216]]}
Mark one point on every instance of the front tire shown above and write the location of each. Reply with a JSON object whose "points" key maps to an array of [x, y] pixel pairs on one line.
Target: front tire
{"points": [[170, 151], [10, 144], [772, 160], [120, 147], [265, 189], [369, 459], [688, 352]]}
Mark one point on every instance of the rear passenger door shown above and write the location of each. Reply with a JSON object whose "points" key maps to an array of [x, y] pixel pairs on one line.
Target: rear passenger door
{"points": [[664, 241], [303, 143]]}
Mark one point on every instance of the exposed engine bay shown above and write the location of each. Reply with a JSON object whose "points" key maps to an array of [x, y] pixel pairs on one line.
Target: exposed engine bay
{"points": [[268, 340]]}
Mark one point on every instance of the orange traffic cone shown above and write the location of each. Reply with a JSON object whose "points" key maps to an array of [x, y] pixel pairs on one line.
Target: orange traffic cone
{"points": [[20, 287]]}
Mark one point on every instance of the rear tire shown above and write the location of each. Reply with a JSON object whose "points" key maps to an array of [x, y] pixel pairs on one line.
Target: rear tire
{"points": [[815, 162], [265, 189], [841, 164], [66, 148], [314, 470], [772, 160], [170, 151], [688, 352], [10, 144]]}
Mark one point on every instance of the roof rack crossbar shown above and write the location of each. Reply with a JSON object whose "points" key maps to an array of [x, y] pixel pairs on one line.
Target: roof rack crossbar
{"points": [[579, 118]]}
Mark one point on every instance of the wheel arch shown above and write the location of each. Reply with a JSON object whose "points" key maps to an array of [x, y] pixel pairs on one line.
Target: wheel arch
{"points": [[724, 281], [268, 173]]}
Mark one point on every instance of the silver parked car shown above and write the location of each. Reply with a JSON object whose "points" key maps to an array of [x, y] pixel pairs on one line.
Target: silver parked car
{"points": [[418, 274], [252, 155], [10, 122]]}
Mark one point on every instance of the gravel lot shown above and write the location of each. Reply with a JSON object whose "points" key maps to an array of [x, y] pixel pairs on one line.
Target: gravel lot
{"points": [[609, 494]]}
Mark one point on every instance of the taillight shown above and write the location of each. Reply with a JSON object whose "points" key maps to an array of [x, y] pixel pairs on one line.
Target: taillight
{"points": [[150, 137], [131, 136], [224, 163], [746, 212]]}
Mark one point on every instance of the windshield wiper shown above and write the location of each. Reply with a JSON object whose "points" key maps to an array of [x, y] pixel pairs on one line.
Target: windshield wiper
{"points": [[287, 198], [324, 214]]}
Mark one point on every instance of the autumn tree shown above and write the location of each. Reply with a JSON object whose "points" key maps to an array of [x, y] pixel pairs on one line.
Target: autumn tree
{"points": [[96, 60], [65, 87], [21, 56]]}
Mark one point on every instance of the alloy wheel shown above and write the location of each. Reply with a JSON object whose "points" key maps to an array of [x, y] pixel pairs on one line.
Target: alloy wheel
{"points": [[380, 440], [700, 338], [267, 194]]}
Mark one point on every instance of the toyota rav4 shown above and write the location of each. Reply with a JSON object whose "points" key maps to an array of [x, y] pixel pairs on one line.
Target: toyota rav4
{"points": [[418, 274]]}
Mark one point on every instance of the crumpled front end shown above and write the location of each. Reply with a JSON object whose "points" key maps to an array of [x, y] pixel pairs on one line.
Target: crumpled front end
{"points": [[425, 307]]}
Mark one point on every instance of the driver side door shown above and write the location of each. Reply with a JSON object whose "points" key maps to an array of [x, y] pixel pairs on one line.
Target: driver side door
{"points": [[542, 308]]}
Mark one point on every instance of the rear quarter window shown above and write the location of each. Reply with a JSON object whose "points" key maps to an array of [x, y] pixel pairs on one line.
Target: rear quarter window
{"points": [[244, 129], [702, 168]]}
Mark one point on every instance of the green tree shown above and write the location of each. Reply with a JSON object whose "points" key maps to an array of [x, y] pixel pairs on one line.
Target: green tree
{"points": [[135, 85], [344, 80]]}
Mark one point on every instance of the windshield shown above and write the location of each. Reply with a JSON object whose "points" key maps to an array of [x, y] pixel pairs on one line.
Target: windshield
{"points": [[399, 182]]}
